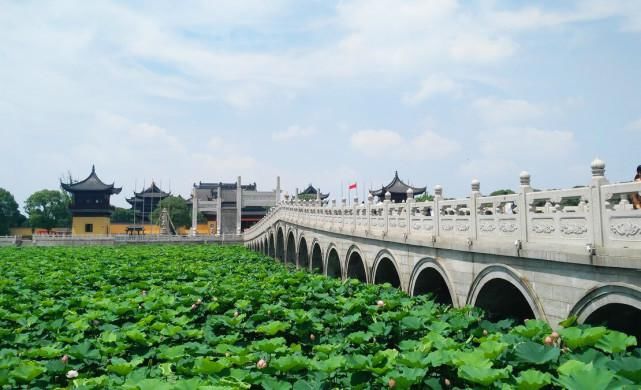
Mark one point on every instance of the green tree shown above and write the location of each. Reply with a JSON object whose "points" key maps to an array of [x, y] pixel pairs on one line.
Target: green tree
{"points": [[179, 211], [424, 197], [48, 209], [122, 215], [502, 192], [9, 214]]}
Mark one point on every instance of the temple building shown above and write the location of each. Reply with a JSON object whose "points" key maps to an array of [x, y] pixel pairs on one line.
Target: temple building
{"points": [[230, 208], [311, 193], [398, 190], [90, 207], [145, 202]]}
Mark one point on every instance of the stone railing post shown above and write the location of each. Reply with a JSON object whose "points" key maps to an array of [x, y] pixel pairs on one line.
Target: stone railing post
{"points": [[436, 211], [343, 209], [386, 203], [523, 206], [476, 192], [370, 199], [596, 201], [408, 205], [194, 212]]}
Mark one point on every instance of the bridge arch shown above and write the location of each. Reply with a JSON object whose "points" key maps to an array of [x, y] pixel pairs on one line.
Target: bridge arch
{"points": [[316, 263], [303, 253], [355, 266], [503, 293], [290, 252], [617, 305], [271, 245], [385, 269], [429, 276], [333, 266], [280, 244]]}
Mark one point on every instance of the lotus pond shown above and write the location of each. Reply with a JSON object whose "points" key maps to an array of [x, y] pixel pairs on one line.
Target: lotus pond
{"points": [[210, 317]]}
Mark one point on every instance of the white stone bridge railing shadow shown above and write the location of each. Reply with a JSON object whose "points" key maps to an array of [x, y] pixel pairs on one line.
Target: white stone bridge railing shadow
{"points": [[595, 224]]}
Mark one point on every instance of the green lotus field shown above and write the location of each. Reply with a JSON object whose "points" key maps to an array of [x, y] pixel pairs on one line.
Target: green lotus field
{"points": [[210, 317]]}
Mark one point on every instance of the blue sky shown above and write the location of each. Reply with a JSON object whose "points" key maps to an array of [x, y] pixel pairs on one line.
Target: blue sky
{"points": [[317, 91]]}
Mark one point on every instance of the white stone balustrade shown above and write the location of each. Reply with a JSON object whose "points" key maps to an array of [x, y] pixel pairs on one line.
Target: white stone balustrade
{"points": [[600, 217]]}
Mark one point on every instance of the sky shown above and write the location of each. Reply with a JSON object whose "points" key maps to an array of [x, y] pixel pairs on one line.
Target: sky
{"points": [[318, 91]]}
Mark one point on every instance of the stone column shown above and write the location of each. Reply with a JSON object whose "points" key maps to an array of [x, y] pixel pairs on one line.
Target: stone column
{"points": [[194, 212], [523, 206], [476, 192], [386, 203], [436, 211], [219, 210], [239, 204], [370, 199], [596, 201], [409, 204], [277, 189]]}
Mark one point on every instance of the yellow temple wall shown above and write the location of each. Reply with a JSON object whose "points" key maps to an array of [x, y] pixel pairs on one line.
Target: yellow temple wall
{"points": [[121, 228], [101, 226]]}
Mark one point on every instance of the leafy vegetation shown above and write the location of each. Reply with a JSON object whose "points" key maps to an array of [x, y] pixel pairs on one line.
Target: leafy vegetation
{"points": [[9, 214], [48, 209], [206, 317]]}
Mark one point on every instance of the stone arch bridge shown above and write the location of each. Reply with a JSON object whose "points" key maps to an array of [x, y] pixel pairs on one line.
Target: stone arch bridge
{"points": [[545, 255]]}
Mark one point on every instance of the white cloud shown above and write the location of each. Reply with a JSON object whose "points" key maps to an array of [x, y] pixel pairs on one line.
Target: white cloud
{"points": [[373, 142], [634, 125], [504, 152], [474, 48], [293, 132], [506, 111], [427, 145], [432, 86]]}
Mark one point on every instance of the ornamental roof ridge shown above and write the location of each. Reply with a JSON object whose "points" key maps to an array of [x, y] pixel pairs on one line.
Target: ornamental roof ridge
{"points": [[91, 183]]}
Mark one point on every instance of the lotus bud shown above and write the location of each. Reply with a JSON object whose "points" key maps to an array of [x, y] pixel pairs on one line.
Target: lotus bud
{"points": [[96, 322], [380, 303], [64, 359], [236, 313], [555, 335], [261, 364], [199, 301], [447, 382], [72, 374], [194, 306], [214, 299], [140, 306], [269, 312], [548, 340], [391, 383], [227, 354], [312, 337], [143, 293], [484, 332]]}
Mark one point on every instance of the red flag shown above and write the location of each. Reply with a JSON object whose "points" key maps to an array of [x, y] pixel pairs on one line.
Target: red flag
{"points": [[352, 186]]}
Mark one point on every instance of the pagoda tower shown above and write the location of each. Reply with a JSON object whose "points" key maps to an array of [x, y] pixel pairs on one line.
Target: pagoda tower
{"points": [[145, 202], [397, 189], [90, 207]]}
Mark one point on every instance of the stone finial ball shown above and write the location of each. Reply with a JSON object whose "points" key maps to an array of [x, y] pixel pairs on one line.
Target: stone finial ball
{"points": [[597, 163], [370, 196], [476, 185], [524, 175], [410, 191], [388, 195]]}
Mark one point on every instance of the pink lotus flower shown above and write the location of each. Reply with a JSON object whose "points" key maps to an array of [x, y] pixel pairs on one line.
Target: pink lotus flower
{"points": [[261, 364], [64, 359], [72, 374]]}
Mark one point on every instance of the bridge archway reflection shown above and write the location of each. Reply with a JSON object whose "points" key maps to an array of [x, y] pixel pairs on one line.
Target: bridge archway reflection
{"points": [[356, 266], [290, 256], [386, 272], [334, 264], [303, 255], [317, 259]]}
